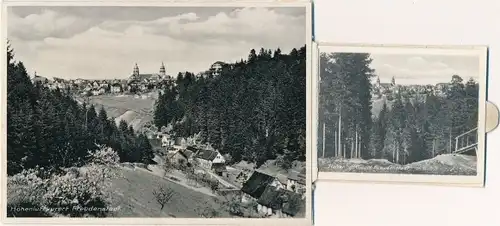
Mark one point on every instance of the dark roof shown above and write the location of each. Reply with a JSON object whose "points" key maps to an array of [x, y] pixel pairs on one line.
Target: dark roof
{"points": [[193, 149], [296, 176], [292, 203], [278, 198], [256, 184], [219, 63], [187, 153], [271, 197], [207, 154]]}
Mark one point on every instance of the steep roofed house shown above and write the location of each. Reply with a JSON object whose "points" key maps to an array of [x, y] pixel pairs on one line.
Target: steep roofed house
{"points": [[116, 88], [211, 159], [180, 141], [188, 153], [255, 186], [40, 79], [181, 157], [279, 202], [95, 92], [296, 182], [216, 68], [79, 81], [102, 90], [88, 88], [166, 140]]}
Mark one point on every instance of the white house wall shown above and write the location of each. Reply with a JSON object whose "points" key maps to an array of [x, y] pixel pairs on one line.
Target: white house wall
{"points": [[219, 159]]}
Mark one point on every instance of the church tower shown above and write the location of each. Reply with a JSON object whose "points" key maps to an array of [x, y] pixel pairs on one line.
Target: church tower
{"points": [[136, 71], [162, 70]]}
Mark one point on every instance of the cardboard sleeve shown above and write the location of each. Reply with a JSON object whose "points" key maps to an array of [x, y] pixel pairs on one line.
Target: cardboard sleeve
{"points": [[492, 116]]}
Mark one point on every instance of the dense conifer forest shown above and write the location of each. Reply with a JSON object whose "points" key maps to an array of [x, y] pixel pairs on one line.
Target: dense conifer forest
{"points": [[49, 129], [253, 110], [409, 128]]}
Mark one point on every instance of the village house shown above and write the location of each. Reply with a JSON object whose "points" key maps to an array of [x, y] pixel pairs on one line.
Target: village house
{"points": [[241, 177], [255, 185], [181, 157], [216, 68], [40, 79], [79, 81], [116, 88], [279, 202], [296, 182], [102, 90], [88, 88], [166, 140], [104, 85], [270, 195], [211, 159], [95, 92], [440, 89], [52, 85]]}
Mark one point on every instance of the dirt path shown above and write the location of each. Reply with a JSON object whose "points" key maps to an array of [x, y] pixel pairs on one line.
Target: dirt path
{"points": [[182, 180]]}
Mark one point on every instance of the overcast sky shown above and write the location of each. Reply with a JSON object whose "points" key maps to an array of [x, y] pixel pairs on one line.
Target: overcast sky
{"points": [[424, 69], [106, 42]]}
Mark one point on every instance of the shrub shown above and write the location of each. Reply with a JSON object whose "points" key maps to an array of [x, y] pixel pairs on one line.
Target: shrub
{"points": [[73, 196], [232, 203], [27, 184], [25, 190], [206, 210], [75, 193], [104, 156], [167, 166], [250, 211], [102, 165]]}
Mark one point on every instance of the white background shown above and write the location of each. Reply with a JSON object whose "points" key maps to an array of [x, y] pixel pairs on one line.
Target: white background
{"points": [[422, 22]]}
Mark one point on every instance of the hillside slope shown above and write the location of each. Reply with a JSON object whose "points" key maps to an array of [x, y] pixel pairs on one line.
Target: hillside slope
{"points": [[132, 192], [136, 110]]}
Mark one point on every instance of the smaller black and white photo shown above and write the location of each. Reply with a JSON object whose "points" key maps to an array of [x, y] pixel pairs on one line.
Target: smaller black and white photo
{"points": [[413, 114]]}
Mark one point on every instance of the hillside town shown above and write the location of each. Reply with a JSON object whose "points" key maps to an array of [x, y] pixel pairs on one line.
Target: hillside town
{"points": [[136, 83], [390, 89]]}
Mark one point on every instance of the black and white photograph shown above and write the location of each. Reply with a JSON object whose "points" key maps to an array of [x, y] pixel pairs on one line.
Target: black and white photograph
{"points": [[401, 111], [185, 111]]}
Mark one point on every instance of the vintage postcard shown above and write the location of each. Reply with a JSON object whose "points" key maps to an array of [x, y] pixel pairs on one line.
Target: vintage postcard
{"points": [[171, 113], [401, 114]]}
